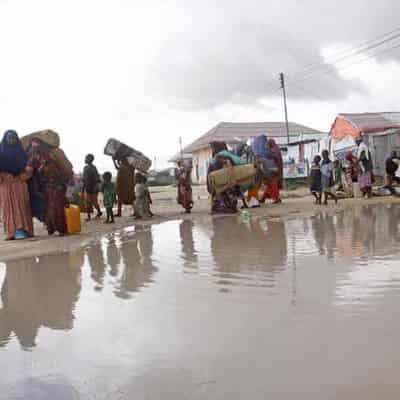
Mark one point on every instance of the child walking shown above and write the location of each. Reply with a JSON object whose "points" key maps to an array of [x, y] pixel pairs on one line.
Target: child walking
{"points": [[143, 198], [327, 168], [316, 180], [109, 197]]}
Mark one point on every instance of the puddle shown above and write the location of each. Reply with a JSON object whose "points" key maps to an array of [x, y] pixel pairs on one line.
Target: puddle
{"points": [[222, 308]]}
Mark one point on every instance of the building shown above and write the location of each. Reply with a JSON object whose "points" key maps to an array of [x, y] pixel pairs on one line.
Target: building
{"points": [[380, 130], [234, 132], [298, 157]]}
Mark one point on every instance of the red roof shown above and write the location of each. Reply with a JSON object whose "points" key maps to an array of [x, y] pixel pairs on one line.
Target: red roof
{"points": [[373, 122]]}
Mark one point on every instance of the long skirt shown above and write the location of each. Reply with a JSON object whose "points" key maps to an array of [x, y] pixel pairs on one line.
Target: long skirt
{"points": [[253, 192], [365, 181], [14, 206], [185, 195], [225, 203], [55, 219], [272, 188]]}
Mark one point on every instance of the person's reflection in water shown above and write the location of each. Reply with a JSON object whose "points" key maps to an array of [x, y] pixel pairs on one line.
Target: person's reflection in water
{"points": [[187, 242], [38, 294], [137, 263], [318, 228], [368, 225], [113, 257], [393, 214], [257, 248], [97, 265], [330, 236]]}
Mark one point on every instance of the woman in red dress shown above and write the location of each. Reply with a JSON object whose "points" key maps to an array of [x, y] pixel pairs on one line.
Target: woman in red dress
{"points": [[274, 184]]}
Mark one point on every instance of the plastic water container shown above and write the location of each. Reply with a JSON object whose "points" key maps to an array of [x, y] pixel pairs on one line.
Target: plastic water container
{"points": [[73, 219]]}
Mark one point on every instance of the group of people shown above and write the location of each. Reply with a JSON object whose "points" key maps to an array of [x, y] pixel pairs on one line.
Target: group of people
{"points": [[32, 184], [354, 175], [130, 189], [266, 155]]}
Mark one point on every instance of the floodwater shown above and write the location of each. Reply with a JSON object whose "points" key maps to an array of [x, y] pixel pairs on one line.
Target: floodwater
{"points": [[297, 308]]}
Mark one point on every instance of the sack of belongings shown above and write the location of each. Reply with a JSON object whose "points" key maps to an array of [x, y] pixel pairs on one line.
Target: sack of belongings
{"points": [[267, 167], [119, 151], [52, 140], [63, 163], [227, 178], [47, 136]]}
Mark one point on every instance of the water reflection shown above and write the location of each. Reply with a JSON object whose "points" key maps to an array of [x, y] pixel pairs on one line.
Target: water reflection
{"points": [[188, 251], [97, 265], [39, 294], [248, 253], [113, 257], [136, 263]]}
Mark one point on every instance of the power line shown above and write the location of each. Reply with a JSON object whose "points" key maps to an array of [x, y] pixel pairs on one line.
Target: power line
{"points": [[351, 51]]}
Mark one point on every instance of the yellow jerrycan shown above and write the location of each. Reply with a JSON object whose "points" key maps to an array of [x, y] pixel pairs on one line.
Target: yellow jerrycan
{"points": [[73, 219]]}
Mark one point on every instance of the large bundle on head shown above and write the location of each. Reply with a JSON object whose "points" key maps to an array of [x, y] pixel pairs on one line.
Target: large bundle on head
{"points": [[52, 141], [63, 163], [47, 136], [120, 151], [227, 178]]}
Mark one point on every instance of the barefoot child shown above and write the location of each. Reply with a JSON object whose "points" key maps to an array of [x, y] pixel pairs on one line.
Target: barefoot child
{"points": [[315, 180], [109, 197], [327, 168]]}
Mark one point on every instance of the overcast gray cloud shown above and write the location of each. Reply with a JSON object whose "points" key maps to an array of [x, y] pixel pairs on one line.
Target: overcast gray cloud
{"points": [[231, 52], [148, 72]]}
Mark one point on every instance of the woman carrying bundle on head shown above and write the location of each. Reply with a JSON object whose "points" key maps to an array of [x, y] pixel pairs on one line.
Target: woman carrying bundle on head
{"points": [[15, 211], [125, 185], [43, 160], [227, 201]]}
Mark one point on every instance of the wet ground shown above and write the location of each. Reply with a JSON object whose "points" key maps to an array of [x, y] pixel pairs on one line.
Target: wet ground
{"points": [[223, 308]]}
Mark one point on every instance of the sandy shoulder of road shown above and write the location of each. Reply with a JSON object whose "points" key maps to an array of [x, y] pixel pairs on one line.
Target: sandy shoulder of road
{"points": [[296, 203]]}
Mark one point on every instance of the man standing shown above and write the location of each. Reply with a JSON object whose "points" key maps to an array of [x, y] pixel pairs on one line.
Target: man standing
{"points": [[91, 181]]}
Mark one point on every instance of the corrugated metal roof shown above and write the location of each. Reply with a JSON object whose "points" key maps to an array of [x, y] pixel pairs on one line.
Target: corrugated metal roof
{"points": [[231, 131], [373, 122]]}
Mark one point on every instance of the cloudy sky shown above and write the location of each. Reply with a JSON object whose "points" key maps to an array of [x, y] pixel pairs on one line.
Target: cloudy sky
{"points": [[150, 71]]}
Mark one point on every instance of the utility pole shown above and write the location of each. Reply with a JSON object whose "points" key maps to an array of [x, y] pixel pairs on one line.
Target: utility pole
{"points": [[180, 146], [282, 80]]}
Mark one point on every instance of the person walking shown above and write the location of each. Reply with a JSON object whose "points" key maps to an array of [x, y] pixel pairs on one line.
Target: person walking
{"points": [[352, 172], [143, 198], [316, 180], [91, 181], [184, 186], [109, 196], [327, 168], [125, 185], [274, 184]]}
